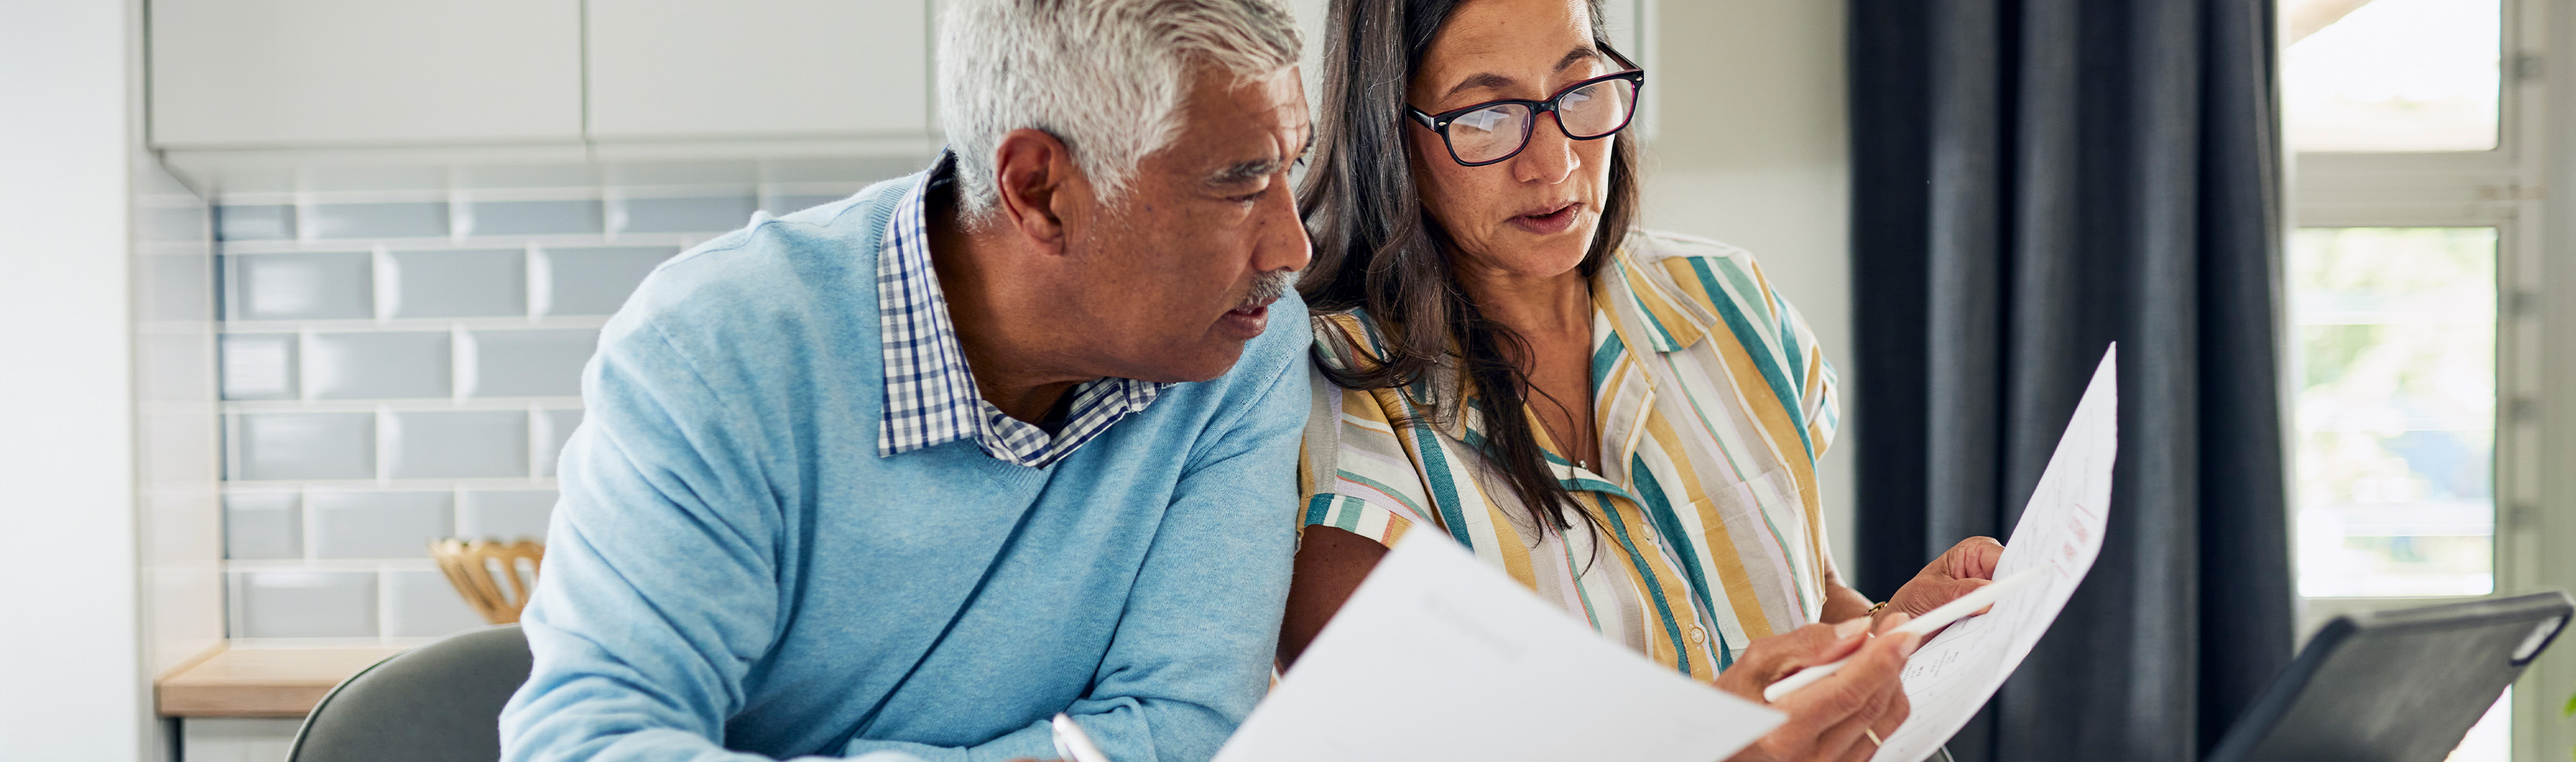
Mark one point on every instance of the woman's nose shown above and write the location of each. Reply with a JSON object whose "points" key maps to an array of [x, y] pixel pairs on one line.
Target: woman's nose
{"points": [[1549, 157]]}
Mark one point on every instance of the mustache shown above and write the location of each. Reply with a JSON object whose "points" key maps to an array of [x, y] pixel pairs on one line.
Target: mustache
{"points": [[1267, 287]]}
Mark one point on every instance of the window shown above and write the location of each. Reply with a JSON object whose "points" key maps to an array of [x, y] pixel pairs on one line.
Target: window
{"points": [[2412, 279], [2392, 75], [2395, 330]]}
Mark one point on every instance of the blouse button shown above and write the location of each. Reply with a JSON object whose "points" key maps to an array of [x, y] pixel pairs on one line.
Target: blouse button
{"points": [[1698, 635]]}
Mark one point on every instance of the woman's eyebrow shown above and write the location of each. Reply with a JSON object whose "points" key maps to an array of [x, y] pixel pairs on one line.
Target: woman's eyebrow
{"points": [[1494, 81]]}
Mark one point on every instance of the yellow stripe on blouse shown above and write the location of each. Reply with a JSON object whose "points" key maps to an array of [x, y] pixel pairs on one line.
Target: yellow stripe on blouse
{"points": [[1712, 405]]}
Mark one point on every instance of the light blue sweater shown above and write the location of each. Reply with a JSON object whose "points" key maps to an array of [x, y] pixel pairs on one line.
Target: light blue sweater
{"points": [[732, 566]]}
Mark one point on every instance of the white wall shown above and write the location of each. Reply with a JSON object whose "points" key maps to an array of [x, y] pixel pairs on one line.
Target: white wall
{"points": [[1750, 148], [70, 682]]}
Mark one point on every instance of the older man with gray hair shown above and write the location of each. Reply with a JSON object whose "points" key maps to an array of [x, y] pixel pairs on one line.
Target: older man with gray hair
{"points": [[905, 475]]}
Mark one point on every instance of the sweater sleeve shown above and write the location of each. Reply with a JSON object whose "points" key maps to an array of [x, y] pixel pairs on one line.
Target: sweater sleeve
{"points": [[659, 589]]}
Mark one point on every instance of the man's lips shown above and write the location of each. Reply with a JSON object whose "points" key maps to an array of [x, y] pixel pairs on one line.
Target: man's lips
{"points": [[1244, 323]]}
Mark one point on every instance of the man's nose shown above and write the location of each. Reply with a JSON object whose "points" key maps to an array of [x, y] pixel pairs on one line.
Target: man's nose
{"points": [[1281, 242]]}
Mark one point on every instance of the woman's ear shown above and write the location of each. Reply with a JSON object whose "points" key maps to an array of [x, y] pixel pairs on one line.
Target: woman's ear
{"points": [[1036, 180]]}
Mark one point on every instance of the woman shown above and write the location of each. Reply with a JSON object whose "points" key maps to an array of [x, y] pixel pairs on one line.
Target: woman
{"points": [[1626, 422]]}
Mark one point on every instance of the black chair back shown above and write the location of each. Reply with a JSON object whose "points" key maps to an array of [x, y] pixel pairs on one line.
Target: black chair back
{"points": [[436, 703]]}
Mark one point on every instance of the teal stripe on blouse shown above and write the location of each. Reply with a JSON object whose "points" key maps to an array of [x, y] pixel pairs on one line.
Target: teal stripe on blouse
{"points": [[1654, 587], [1604, 359], [1444, 492], [1659, 511], [1319, 507], [1746, 335]]}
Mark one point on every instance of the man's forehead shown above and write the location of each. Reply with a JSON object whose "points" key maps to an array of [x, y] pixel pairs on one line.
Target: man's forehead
{"points": [[1233, 120]]}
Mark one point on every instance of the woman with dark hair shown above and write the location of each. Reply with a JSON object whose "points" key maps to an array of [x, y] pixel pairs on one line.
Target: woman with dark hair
{"points": [[1626, 422]]}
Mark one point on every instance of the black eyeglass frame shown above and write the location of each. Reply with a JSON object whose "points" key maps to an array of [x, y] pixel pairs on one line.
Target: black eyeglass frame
{"points": [[1439, 123]]}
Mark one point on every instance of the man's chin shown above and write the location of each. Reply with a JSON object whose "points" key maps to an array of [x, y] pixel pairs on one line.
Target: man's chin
{"points": [[1202, 364]]}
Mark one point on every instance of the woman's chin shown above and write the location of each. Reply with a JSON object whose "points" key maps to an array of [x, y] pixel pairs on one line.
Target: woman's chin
{"points": [[1542, 255]]}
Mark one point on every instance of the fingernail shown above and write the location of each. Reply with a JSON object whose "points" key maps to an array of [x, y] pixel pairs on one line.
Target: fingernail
{"points": [[1911, 642], [1850, 627]]}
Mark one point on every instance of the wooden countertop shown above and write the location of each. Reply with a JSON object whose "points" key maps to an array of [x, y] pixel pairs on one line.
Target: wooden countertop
{"points": [[261, 682]]}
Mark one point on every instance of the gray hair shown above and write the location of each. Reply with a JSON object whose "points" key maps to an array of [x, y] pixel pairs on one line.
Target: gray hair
{"points": [[1107, 77]]}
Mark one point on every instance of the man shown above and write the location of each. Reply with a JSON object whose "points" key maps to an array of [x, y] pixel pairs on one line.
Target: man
{"points": [[905, 475]]}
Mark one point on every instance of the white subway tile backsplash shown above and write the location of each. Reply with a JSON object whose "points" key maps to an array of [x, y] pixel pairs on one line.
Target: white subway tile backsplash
{"points": [[300, 286], [701, 214], [532, 363], [467, 283], [459, 445], [378, 365], [379, 524], [493, 218], [263, 525], [559, 425], [396, 337], [258, 366], [255, 223], [505, 514], [304, 604], [420, 219], [303, 445], [423, 604], [597, 280]]}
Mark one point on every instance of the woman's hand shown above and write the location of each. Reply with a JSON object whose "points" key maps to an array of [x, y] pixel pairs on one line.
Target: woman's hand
{"points": [[1964, 568], [1826, 719]]}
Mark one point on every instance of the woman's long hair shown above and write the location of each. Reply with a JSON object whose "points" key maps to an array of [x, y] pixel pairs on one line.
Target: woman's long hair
{"points": [[1377, 249]]}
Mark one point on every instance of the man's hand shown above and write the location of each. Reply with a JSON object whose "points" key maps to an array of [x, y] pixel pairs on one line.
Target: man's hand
{"points": [[1826, 719], [1964, 568]]}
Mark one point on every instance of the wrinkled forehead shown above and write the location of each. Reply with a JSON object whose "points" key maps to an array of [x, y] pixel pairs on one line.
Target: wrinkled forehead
{"points": [[1229, 119], [1489, 44]]}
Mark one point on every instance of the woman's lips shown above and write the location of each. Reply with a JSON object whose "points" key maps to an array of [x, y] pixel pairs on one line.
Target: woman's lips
{"points": [[1549, 222]]}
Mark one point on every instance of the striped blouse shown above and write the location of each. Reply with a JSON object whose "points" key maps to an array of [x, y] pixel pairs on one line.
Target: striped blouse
{"points": [[1712, 404]]}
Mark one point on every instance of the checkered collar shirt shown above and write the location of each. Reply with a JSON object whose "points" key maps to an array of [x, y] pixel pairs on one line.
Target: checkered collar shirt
{"points": [[930, 395]]}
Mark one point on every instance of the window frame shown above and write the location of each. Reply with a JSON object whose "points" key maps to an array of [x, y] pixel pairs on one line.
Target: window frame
{"points": [[2535, 418]]}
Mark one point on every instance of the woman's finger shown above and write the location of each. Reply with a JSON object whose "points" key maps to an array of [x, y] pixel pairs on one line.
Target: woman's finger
{"points": [[1892, 716], [1776, 657], [1845, 742]]}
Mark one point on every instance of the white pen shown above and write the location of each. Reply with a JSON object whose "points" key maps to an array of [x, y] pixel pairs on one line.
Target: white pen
{"points": [[1072, 744], [1923, 625]]}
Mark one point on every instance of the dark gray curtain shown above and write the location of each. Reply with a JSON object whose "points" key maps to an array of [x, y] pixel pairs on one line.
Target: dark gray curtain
{"points": [[2033, 180]]}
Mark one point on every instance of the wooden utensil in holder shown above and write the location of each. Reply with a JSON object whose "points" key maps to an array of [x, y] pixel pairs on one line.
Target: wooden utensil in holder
{"points": [[477, 569]]}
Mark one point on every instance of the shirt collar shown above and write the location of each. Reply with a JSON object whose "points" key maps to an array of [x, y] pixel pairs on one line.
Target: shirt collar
{"points": [[1644, 296], [930, 396]]}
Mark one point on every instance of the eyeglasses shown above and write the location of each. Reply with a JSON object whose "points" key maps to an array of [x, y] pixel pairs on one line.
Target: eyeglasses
{"points": [[1497, 130]]}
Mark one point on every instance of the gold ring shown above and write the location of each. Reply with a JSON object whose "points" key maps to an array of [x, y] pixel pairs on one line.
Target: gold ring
{"points": [[1873, 737]]}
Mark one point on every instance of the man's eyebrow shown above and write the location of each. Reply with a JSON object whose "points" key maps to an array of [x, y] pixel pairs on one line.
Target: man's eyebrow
{"points": [[1494, 81], [1242, 172]]}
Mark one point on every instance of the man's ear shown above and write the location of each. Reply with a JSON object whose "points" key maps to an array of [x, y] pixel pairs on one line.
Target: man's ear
{"points": [[1038, 184]]}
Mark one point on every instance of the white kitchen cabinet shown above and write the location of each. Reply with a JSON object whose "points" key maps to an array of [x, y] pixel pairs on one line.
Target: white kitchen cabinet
{"points": [[305, 73], [725, 69]]}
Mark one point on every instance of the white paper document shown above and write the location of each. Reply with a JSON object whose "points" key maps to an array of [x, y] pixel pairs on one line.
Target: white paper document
{"points": [[2060, 533], [1438, 656]]}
